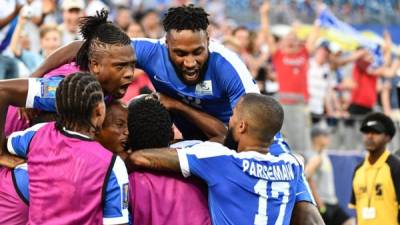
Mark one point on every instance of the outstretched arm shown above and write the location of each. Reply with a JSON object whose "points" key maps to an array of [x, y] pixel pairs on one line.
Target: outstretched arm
{"points": [[209, 125], [61, 56], [12, 92], [162, 159]]}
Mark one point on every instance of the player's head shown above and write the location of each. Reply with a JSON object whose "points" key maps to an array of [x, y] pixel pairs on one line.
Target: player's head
{"points": [[257, 118], [187, 41], [107, 53], [114, 132], [149, 124], [378, 129], [80, 102]]}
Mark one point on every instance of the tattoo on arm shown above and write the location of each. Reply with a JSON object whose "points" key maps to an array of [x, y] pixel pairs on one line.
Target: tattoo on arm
{"points": [[162, 159]]}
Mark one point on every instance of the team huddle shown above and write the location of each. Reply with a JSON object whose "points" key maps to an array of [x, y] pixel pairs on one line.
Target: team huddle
{"points": [[88, 158]]}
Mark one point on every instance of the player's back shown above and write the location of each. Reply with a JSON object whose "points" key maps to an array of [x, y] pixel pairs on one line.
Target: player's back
{"points": [[247, 187], [163, 198], [13, 209], [67, 174]]}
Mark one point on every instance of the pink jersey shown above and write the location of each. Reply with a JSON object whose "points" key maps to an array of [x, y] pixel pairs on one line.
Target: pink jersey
{"points": [[67, 173], [158, 199], [13, 210]]}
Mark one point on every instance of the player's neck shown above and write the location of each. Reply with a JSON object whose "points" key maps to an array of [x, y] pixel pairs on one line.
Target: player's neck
{"points": [[253, 145]]}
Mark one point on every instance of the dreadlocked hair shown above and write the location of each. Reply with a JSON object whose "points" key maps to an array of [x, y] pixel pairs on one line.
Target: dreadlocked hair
{"points": [[98, 32], [186, 18], [149, 124], [76, 97]]}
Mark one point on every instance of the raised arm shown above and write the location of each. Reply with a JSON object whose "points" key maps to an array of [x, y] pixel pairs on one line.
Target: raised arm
{"points": [[15, 45], [212, 127], [61, 56], [6, 20], [313, 37], [265, 28]]}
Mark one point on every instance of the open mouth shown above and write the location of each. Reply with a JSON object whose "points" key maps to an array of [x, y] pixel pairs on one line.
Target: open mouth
{"points": [[191, 75], [123, 89], [125, 144]]}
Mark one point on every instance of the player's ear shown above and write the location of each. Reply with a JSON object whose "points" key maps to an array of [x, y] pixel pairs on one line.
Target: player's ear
{"points": [[94, 66], [242, 128]]}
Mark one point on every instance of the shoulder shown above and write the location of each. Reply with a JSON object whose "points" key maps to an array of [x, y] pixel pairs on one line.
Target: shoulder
{"points": [[393, 163], [137, 42], [223, 55], [209, 149]]}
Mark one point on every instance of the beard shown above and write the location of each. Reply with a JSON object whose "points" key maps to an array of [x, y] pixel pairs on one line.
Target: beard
{"points": [[230, 141]]}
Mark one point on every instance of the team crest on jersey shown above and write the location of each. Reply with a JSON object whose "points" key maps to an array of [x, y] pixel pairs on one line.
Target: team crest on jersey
{"points": [[204, 88], [125, 196]]}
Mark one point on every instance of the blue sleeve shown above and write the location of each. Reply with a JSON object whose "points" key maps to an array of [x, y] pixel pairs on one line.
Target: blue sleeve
{"points": [[204, 160], [21, 181], [115, 210], [42, 93], [145, 49], [235, 76], [303, 189], [18, 142]]}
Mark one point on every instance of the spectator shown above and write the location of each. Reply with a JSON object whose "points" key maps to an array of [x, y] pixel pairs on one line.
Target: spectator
{"points": [[151, 24], [135, 30], [123, 18], [376, 183], [72, 10], [50, 40], [8, 21], [320, 84], [319, 173]]}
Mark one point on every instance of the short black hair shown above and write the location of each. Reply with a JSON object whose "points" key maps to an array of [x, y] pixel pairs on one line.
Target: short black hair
{"points": [[149, 124], [97, 31], [186, 18], [264, 113], [76, 97], [386, 122]]}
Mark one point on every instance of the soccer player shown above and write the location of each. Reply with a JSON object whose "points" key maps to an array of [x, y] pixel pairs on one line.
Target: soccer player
{"points": [[253, 186], [185, 65], [91, 184], [14, 195], [106, 52], [162, 198]]}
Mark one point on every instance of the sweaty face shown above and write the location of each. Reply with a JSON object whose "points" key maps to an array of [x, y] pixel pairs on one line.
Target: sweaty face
{"points": [[114, 69], [374, 141], [188, 51], [114, 133]]}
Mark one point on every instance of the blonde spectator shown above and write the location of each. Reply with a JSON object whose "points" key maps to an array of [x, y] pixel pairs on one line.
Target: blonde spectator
{"points": [[50, 40]]}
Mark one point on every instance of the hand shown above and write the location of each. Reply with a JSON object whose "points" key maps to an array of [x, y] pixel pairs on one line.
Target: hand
{"points": [[48, 6], [168, 102], [265, 7], [27, 114], [18, 7], [10, 161]]}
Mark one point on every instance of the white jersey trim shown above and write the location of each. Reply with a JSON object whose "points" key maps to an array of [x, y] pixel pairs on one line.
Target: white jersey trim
{"points": [[183, 162], [34, 89], [237, 64], [115, 221], [121, 174], [13, 135]]}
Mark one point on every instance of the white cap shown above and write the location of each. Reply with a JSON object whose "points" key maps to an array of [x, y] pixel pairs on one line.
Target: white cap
{"points": [[73, 4], [281, 30]]}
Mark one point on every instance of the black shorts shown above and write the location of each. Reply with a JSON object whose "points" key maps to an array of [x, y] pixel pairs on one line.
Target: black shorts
{"points": [[334, 215]]}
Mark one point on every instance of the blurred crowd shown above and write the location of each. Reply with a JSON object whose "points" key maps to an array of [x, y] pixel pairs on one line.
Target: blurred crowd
{"points": [[318, 82]]}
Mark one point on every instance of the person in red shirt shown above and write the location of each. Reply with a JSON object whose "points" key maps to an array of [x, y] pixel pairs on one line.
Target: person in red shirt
{"points": [[290, 58]]}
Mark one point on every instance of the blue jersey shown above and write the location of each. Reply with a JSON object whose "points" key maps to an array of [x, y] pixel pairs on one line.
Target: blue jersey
{"points": [[116, 192], [226, 79], [21, 181], [250, 187]]}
